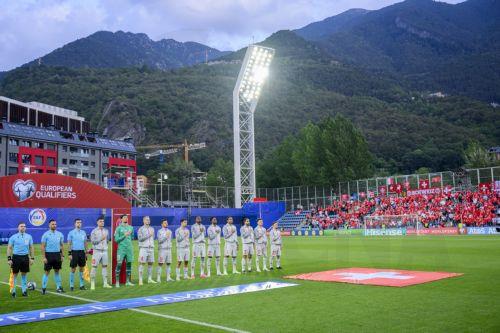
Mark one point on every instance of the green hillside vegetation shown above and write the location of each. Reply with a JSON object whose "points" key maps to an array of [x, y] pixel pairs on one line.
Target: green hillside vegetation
{"points": [[404, 129]]}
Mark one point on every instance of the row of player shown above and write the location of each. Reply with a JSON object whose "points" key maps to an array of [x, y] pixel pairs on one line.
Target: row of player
{"points": [[20, 250]]}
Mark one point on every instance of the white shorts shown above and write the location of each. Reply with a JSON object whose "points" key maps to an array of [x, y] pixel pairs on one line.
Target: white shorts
{"points": [[214, 250], [100, 257], [276, 250], [248, 249], [183, 254], [261, 249], [146, 255], [230, 250], [165, 256], [199, 250]]}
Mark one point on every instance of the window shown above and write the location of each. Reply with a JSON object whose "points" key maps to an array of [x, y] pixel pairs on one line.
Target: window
{"points": [[64, 161], [51, 146], [105, 166], [26, 143], [51, 161], [13, 142], [38, 145], [92, 164], [85, 151], [13, 158], [92, 151], [73, 150], [85, 163], [38, 160], [92, 176], [85, 175], [51, 171], [123, 155], [73, 162], [105, 153], [12, 170], [26, 158], [114, 155], [72, 174], [64, 148]]}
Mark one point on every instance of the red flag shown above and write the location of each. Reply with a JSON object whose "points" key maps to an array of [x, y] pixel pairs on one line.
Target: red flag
{"points": [[484, 187], [382, 190], [447, 189], [392, 188], [423, 184], [436, 179], [399, 188]]}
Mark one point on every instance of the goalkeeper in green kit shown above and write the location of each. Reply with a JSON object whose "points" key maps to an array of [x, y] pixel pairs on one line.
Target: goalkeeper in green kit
{"points": [[123, 237]]}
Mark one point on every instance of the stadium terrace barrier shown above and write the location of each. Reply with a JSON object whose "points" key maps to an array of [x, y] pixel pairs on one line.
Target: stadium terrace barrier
{"points": [[313, 232], [483, 230], [335, 232], [433, 231], [385, 232]]}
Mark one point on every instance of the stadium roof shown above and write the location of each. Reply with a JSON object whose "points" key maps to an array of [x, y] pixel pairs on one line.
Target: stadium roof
{"points": [[38, 133]]}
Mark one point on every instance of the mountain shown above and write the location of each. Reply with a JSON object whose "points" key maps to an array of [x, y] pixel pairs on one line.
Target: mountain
{"points": [[405, 129], [434, 46], [321, 30], [105, 49]]}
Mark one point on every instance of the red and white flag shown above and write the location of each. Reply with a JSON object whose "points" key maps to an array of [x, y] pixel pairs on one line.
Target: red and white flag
{"points": [[423, 184]]}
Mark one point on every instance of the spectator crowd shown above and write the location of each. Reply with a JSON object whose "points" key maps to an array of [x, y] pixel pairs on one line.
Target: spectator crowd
{"points": [[439, 210]]}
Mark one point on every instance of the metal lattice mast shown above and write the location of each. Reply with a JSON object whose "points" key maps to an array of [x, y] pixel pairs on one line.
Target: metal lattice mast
{"points": [[253, 74]]}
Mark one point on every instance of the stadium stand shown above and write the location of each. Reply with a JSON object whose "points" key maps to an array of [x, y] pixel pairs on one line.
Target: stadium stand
{"points": [[292, 220], [440, 210]]}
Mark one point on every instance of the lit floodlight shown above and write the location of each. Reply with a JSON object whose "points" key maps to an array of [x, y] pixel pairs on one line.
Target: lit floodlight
{"points": [[253, 74]]}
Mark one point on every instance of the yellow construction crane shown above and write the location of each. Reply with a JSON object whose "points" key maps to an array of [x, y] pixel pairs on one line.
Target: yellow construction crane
{"points": [[167, 149]]}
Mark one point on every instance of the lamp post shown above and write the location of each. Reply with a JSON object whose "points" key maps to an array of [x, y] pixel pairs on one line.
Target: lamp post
{"points": [[253, 74], [163, 176]]}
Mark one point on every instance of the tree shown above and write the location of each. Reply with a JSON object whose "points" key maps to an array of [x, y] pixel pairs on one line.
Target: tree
{"points": [[476, 156], [221, 173]]}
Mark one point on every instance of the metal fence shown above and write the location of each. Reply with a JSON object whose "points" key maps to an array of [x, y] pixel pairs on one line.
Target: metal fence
{"points": [[212, 196]]}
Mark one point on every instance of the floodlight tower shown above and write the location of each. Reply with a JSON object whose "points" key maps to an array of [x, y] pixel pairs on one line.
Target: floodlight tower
{"points": [[253, 74]]}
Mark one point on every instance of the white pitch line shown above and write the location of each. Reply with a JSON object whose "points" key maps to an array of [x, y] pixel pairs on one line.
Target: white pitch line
{"points": [[190, 321]]}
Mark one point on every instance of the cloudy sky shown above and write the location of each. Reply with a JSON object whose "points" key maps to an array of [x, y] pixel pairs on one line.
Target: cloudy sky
{"points": [[32, 28]]}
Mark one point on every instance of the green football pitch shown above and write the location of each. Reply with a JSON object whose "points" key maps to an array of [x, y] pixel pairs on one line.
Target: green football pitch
{"points": [[468, 303]]}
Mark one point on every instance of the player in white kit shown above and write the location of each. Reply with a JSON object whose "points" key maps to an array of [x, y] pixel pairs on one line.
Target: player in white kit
{"points": [[247, 237], [260, 245], [213, 233], [182, 240], [99, 240], [230, 245], [164, 237], [146, 238], [199, 247], [275, 238]]}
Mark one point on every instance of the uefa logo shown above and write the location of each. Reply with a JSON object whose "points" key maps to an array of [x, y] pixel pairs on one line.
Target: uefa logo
{"points": [[23, 189], [37, 217]]}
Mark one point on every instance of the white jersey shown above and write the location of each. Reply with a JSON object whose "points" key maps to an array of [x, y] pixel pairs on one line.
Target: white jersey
{"points": [[275, 237], [198, 233], [230, 234], [96, 239], [260, 235], [182, 237], [164, 236], [214, 235], [247, 235], [146, 236]]}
